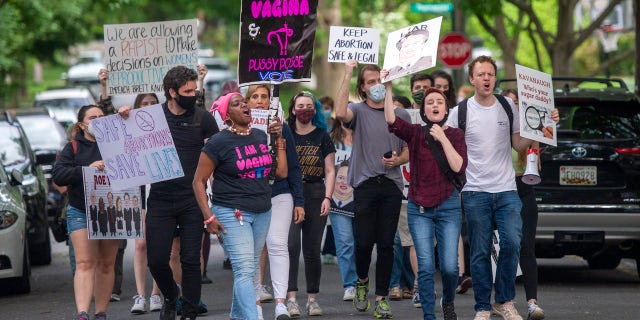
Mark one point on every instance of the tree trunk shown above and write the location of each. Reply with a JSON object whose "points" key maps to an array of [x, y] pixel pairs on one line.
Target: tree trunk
{"points": [[562, 48], [328, 74]]}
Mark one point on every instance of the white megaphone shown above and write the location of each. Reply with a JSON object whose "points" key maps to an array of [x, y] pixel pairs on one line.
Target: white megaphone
{"points": [[531, 175]]}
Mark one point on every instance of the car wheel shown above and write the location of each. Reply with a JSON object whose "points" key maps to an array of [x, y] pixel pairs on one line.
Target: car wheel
{"points": [[41, 254], [604, 260]]}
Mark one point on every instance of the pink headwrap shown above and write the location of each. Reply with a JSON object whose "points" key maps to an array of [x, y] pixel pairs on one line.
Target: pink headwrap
{"points": [[222, 104]]}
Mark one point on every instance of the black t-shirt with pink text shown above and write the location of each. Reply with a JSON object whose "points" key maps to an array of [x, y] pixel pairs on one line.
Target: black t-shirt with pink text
{"points": [[242, 166]]}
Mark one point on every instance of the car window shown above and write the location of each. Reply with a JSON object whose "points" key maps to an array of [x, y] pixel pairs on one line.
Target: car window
{"points": [[599, 122], [42, 131], [11, 145], [63, 103]]}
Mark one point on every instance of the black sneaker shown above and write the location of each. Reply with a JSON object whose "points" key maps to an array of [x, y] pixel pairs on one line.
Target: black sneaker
{"points": [[449, 312], [168, 311], [226, 264], [205, 279], [360, 302], [100, 316], [464, 283]]}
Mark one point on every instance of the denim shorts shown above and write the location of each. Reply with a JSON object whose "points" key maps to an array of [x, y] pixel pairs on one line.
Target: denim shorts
{"points": [[76, 219]]}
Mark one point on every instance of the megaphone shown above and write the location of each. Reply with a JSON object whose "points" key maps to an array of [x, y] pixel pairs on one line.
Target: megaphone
{"points": [[531, 175]]}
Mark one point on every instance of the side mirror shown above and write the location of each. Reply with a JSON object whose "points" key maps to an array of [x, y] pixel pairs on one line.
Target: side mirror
{"points": [[16, 177]]}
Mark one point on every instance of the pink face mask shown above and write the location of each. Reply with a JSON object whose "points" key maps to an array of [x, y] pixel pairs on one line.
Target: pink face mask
{"points": [[305, 115]]}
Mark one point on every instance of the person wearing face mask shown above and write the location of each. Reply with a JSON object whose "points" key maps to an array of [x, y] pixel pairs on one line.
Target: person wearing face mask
{"points": [[172, 202], [95, 259], [316, 154], [419, 82], [434, 213], [374, 173], [444, 82]]}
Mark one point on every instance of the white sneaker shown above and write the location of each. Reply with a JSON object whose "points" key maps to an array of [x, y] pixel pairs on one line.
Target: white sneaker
{"points": [[506, 310], [281, 312], [139, 305], [535, 312], [313, 308], [265, 295], [260, 317], [483, 315], [155, 303], [349, 293]]}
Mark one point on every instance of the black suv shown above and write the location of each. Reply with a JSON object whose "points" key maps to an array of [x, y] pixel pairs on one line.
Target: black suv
{"points": [[16, 153], [589, 197]]}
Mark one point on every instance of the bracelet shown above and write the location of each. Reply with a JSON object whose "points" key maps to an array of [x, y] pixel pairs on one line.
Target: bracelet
{"points": [[208, 221], [328, 198]]}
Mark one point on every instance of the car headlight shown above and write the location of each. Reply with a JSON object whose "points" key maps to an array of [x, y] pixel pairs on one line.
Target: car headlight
{"points": [[7, 219]]}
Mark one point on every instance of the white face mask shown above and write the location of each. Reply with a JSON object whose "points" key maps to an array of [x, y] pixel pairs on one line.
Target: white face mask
{"points": [[377, 93], [90, 129]]}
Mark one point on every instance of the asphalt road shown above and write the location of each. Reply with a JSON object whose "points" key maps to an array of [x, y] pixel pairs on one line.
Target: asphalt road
{"points": [[568, 290]]}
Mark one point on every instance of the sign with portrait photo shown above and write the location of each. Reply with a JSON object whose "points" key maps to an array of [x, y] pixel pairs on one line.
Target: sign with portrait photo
{"points": [[111, 214], [276, 41], [138, 150], [412, 49], [535, 93]]}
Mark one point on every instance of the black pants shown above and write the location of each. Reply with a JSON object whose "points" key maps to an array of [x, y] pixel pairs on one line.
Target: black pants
{"points": [[163, 215], [310, 230], [377, 209], [528, 261]]}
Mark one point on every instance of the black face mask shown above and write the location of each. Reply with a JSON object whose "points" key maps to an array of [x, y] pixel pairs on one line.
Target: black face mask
{"points": [[186, 102]]}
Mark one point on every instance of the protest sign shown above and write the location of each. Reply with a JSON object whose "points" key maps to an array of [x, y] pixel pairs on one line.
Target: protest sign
{"points": [[138, 150], [138, 55], [412, 49], [276, 41], [351, 43], [111, 214], [535, 93]]}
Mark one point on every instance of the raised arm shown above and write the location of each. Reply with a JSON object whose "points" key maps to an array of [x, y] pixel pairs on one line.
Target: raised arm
{"points": [[389, 114], [342, 99]]}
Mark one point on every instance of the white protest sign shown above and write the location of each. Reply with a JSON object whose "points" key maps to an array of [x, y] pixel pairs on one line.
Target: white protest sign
{"points": [[351, 43], [138, 55], [412, 49], [111, 214], [535, 94], [138, 150]]}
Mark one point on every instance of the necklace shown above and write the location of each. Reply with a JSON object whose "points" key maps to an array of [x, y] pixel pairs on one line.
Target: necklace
{"points": [[240, 133]]}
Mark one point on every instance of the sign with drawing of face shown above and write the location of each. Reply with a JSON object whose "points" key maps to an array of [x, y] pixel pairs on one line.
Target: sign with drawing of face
{"points": [[276, 41], [412, 49]]}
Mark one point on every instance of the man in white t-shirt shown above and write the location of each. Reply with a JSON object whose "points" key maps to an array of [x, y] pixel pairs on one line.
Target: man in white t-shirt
{"points": [[490, 196]]}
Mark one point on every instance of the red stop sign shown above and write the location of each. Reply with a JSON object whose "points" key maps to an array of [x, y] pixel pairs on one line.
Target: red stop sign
{"points": [[454, 49]]}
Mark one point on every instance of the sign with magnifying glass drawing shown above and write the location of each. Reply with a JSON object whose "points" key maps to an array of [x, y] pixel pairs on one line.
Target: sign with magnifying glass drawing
{"points": [[535, 93]]}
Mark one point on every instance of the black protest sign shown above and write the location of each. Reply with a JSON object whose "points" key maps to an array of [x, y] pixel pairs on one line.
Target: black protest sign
{"points": [[276, 41]]}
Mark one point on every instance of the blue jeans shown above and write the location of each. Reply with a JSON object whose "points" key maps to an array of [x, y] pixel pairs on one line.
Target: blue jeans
{"points": [[401, 273], [343, 235], [441, 223], [484, 211], [244, 244]]}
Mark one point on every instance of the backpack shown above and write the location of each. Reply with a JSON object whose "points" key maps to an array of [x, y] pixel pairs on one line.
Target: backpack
{"points": [[462, 113]]}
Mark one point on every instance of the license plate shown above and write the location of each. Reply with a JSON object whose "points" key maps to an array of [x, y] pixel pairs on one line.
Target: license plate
{"points": [[578, 175]]}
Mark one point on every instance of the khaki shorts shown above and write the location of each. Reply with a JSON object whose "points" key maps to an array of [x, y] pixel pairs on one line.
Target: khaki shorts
{"points": [[403, 227]]}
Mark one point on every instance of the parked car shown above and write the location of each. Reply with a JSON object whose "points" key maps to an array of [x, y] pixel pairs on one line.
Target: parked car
{"points": [[16, 153], [47, 137], [85, 70], [15, 269], [63, 104], [219, 73], [589, 197]]}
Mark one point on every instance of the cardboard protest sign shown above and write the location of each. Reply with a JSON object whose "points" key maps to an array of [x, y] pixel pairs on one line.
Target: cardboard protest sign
{"points": [[412, 49], [138, 150], [111, 214], [138, 55], [535, 94], [276, 41], [352, 43]]}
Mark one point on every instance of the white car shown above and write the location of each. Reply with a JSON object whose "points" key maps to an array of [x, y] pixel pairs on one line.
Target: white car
{"points": [[63, 104], [15, 269]]}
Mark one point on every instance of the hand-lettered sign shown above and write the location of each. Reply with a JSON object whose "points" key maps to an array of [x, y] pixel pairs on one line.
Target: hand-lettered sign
{"points": [[351, 43], [276, 41], [138, 150], [111, 214], [138, 55], [535, 94]]}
